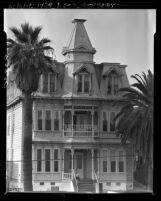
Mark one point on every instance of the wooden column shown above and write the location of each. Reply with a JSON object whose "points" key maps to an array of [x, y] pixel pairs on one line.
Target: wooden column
{"points": [[63, 112], [63, 155], [92, 113], [72, 120], [98, 159], [72, 165]]}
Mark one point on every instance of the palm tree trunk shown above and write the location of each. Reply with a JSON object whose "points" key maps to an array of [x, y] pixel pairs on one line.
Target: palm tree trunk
{"points": [[27, 142], [150, 178]]}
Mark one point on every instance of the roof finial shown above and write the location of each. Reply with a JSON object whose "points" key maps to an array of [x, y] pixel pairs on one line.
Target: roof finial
{"points": [[79, 21]]}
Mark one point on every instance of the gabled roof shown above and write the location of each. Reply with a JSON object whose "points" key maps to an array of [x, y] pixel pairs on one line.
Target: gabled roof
{"points": [[108, 70], [81, 68]]}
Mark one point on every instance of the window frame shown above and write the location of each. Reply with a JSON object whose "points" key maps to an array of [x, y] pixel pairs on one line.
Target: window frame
{"points": [[112, 80], [48, 82], [113, 161], [111, 124], [39, 120], [39, 161], [82, 75], [56, 120], [123, 160], [56, 160], [103, 120], [105, 161], [45, 165], [48, 120]]}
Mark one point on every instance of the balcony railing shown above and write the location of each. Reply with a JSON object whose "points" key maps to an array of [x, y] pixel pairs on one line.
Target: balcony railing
{"points": [[79, 130], [78, 127]]}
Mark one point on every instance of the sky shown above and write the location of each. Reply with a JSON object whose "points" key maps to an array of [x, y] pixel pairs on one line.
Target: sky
{"points": [[124, 36]]}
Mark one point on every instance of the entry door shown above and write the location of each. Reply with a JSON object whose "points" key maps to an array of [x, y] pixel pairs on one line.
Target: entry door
{"points": [[79, 164]]}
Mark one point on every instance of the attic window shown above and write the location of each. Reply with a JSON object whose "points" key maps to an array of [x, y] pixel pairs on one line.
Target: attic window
{"points": [[83, 84], [112, 83], [48, 82]]}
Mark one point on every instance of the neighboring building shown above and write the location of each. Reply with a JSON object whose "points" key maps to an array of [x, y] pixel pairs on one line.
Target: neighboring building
{"points": [[73, 129]]}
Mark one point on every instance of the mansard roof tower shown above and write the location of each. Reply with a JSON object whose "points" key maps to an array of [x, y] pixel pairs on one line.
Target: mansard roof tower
{"points": [[78, 54]]}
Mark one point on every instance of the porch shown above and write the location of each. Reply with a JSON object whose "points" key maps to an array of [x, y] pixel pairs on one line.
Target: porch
{"points": [[82, 162], [80, 123]]}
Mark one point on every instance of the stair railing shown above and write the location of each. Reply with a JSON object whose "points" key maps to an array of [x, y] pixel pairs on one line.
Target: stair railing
{"points": [[95, 176], [75, 182]]}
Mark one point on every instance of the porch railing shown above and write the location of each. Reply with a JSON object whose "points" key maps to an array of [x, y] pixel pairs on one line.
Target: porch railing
{"points": [[67, 176]]}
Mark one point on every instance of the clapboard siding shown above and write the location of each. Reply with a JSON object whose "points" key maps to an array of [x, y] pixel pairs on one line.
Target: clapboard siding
{"points": [[14, 140]]}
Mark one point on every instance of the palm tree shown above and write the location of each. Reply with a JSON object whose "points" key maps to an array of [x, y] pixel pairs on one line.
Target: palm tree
{"points": [[28, 57], [135, 119]]}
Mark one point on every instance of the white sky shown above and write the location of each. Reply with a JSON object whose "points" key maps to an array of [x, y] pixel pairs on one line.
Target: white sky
{"points": [[118, 35]]}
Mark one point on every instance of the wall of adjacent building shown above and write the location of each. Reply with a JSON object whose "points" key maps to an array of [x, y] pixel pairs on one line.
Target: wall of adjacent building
{"points": [[14, 145]]}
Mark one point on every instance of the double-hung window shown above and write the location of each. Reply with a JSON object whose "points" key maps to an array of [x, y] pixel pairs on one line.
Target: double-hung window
{"points": [[115, 84], [49, 82], [39, 121], [45, 83], [56, 121], [104, 160], [56, 160], [112, 83], [83, 83], [52, 82], [112, 123], [113, 160], [105, 122], [47, 160], [48, 120], [121, 161], [39, 160]]}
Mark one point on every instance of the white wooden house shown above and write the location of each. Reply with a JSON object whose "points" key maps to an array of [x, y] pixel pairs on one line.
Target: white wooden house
{"points": [[73, 129]]}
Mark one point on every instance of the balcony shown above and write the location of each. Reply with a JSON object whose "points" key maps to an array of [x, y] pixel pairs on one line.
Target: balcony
{"points": [[80, 130]]}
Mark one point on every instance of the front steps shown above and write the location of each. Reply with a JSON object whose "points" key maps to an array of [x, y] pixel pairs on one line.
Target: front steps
{"points": [[86, 186]]}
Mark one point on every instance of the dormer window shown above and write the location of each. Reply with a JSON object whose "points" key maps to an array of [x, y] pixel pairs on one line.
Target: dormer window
{"points": [[112, 83], [83, 83], [48, 82]]}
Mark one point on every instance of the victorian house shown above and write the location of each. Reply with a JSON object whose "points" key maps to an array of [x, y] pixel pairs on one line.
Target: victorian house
{"points": [[73, 128]]}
